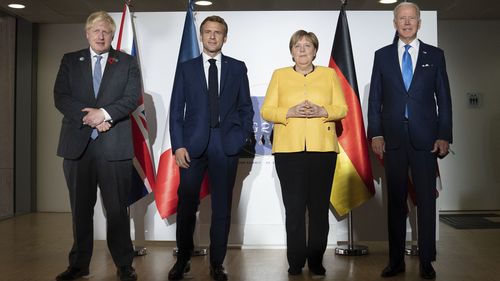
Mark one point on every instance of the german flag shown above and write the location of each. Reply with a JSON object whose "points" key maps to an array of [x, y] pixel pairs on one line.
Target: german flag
{"points": [[353, 181]]}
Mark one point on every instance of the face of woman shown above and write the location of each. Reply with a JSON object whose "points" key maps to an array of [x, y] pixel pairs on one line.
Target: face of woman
{"points": [[303, 52]]}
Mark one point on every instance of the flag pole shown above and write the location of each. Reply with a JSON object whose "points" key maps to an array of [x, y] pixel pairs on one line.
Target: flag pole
{"points": [[138, 250], [412, 248], [350, 249]]}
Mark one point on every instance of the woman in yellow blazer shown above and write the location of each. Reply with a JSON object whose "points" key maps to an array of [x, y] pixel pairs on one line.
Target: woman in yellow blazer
{"points": [[303, 101]]}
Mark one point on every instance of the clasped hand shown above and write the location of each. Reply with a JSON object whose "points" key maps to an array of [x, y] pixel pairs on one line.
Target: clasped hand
{"points": [[95, 119], [306, 109]]}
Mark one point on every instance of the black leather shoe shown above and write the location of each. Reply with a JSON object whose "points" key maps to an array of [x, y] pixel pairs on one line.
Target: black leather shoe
{"points": [[178, 270], [427, 271], [294, 271], [72, 273], [126, 273], [391, 270], [318, 270], [218, 273]]}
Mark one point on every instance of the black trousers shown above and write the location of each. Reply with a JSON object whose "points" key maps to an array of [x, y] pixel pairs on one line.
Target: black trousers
{"points": [[423, 166], [306, 183], [222, 173], [114, 179]]}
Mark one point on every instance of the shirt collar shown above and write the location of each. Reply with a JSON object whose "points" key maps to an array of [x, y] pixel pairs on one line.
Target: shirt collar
{"points": [[103, 55], [206, 57], [414, 44]]}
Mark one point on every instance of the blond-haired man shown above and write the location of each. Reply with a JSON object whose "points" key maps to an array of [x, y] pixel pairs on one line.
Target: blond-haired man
{"points": [[95, 90]]}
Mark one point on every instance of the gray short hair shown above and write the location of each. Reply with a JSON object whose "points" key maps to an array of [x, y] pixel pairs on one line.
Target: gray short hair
{"points": [[406, 4]]}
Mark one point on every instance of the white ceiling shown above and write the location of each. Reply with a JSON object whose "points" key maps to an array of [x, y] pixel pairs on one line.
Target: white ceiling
{"points": [[74, 11]]}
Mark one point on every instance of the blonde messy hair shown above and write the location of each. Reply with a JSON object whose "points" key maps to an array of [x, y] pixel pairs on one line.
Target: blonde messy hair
{"points": [[100, 16]]}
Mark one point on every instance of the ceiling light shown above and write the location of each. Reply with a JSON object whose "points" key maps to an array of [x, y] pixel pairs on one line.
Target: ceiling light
{"points": [[203, 3], [387, 1], [17, 6]]}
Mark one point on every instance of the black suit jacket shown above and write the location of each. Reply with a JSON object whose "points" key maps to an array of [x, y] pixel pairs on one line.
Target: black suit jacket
{"points": [[119, 93]]}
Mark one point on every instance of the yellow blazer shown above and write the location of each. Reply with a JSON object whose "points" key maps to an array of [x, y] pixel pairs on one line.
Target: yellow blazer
{"points": [[288, 88]]}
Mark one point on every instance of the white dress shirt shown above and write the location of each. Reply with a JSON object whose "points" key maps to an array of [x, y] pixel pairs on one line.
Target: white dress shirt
{"points": [[104, 59], [413, 51]]}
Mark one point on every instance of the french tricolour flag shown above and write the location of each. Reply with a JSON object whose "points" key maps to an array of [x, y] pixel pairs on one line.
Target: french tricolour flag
{"points": [[168, 172]]}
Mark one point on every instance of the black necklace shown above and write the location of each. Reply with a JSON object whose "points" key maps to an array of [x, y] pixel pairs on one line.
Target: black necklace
{"points": [[295, 69]]}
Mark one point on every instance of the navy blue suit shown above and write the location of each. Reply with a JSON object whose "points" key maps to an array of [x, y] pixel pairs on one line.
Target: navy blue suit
{"points": [[212, 149], [408, 142]]}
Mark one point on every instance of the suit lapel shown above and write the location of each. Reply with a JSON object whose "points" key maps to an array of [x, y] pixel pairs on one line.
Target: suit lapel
{"points": [[422, 61], [109, 71], [199, 73], [224, 73], [85, 62], [396, 65]]}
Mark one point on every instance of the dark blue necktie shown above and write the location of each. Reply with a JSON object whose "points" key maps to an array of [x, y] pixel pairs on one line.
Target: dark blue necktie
{"points": [[213, 93], [407, 71], [96, 81]]}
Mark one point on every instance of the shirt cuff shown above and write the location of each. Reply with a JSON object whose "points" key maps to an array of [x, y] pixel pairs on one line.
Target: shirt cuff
{"points": [[107, 117]]}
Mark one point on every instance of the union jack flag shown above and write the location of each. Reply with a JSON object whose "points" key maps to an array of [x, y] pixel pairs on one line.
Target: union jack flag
{"points": [[144, 172]]}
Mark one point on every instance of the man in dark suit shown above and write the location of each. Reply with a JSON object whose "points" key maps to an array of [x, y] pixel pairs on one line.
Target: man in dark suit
{"points": [[95, 90], [209, 125], [410, 125]]}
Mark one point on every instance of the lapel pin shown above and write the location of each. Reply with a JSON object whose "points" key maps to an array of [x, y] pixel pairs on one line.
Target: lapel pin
{"points": [[425, 65], [424, 52], [81, 58], [112, 60]]}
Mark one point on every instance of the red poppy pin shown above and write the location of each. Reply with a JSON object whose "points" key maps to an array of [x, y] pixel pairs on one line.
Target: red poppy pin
{"points": [[112, 60]]}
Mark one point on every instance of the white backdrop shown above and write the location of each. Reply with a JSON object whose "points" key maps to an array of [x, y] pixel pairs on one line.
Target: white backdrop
{"points": [[261, 40]]}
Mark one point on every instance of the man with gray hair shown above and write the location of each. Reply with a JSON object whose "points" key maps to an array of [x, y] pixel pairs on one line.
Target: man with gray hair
{"points": [[410, 126]]}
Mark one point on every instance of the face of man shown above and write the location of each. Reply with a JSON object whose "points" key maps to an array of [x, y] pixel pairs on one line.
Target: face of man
{"points": [[100, 36], [303, 52], [407, 23], [212, 37]]}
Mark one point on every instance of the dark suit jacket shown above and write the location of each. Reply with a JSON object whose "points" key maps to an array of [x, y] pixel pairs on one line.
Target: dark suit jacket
{"points": [[190, 113], [119, 93], [428, 99]]}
